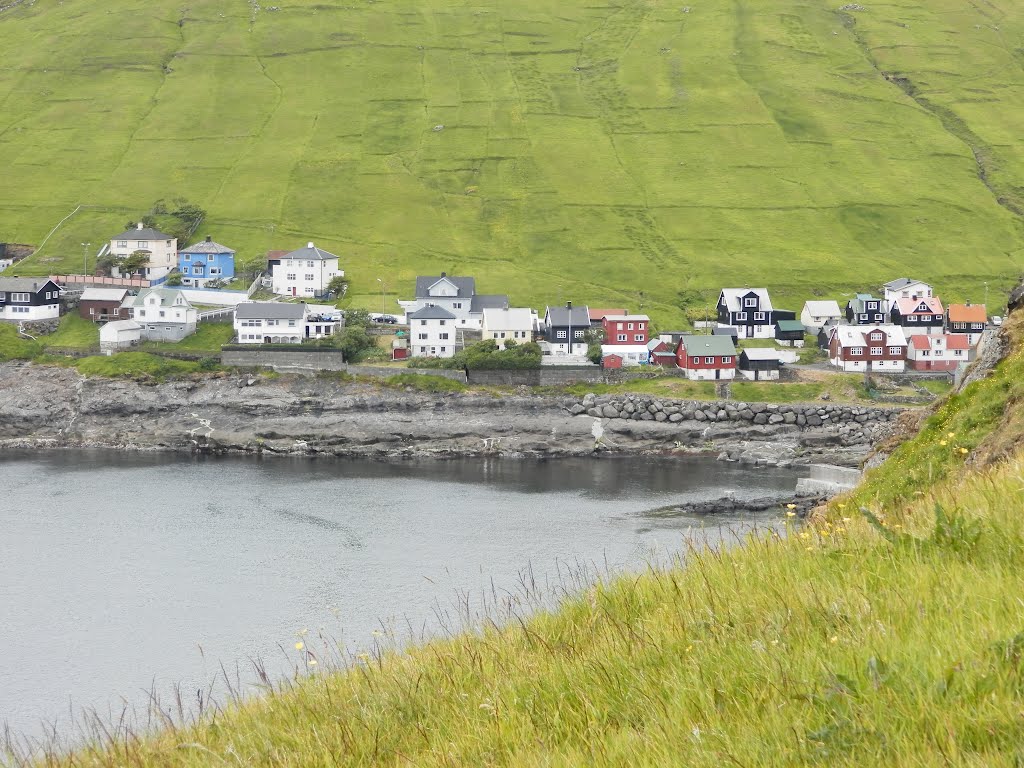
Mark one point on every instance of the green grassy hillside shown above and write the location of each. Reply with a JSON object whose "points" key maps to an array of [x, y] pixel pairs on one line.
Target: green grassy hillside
{"points": [[589, 151], [892, 638]]}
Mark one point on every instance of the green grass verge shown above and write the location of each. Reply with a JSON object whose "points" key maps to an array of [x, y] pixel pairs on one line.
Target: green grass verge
{"points": [[209, 337], [15, 347], [422, 383], [133, 365], [74, 332]]}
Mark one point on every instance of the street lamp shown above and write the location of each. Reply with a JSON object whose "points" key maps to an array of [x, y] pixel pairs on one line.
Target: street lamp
{"points": [[382, 286], [85, 259]]}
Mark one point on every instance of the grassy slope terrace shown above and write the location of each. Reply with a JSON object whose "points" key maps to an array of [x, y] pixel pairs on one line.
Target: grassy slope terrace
{"points": [[588, 151], [894, 644]]}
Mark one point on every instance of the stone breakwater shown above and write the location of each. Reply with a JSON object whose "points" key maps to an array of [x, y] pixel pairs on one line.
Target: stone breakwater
{"points": [[42, 406]]}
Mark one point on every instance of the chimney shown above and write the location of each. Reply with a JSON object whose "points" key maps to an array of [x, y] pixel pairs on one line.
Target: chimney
{"points": [[139, 225], [444, 274], [568, 305], [310, 244], [209, 239]]}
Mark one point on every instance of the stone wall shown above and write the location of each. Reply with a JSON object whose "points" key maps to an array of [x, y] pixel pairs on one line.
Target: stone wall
{"points": [[301, 359]]}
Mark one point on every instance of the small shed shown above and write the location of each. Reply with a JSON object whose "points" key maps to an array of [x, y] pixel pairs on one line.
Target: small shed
{"points": [[726, 330], [119, 335], [760, 364], [611, 361], [789, 333], [400, 347]]}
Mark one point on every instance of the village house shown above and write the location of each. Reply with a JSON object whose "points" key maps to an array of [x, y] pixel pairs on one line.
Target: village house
{"points": [[626, 335], [789, 333], [119, 335], [760, 364], [400, 346], [274, 322], [204, 262], [706, 357], [943, 352], [25, 299], [518, 324], [164, 314], [103, 305], [920, 315], [566, 330], [597, 316], [611, 361], [305, 272], [160, 248], [967, 319], [872, 348], [865, 309], [433, 332], [905, 288], [456, 295], [661, 352], [748, 310], [816, 314]]}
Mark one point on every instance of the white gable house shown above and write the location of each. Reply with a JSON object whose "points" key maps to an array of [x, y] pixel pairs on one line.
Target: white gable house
{"points": [[817, 314], [164, 314], [305, 272], [161, 249], [456, 295], [433, 332], [516, 324], [274, 322], [905, 288]]}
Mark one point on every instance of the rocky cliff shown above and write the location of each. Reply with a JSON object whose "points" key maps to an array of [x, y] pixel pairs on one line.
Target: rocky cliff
{"points": [[57, 407]]}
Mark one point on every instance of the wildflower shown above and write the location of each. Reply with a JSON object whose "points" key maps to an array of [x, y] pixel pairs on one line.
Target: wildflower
{"points": [[805, 535], [963, 451], [299, 645], [377, 633], [791, 506], [311, 662], [951, 435], [364, 656], [790, 514], [943, 442], [834, 639]]}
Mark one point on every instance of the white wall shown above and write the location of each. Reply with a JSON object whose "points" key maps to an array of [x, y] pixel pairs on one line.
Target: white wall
{"points": [[427, 338]]}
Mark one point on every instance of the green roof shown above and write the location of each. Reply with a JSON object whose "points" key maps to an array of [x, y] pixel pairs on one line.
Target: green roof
{"points": [[790, 325], [713, 346]]}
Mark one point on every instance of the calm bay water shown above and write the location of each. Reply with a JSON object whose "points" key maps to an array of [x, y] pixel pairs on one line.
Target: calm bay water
{"points": [[120, 573]]}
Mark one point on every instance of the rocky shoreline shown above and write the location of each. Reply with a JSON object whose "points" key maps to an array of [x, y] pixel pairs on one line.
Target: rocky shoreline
{"points": [[47, 407]]}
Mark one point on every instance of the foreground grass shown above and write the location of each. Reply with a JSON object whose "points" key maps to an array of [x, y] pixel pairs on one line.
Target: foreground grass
{"points": [[888, 637], [209, 337]]}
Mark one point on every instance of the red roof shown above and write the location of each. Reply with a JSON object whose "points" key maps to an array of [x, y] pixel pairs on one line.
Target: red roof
{"points": [[600, 314], [957, 341], [967, 313], [921, 341], [910, 306]]}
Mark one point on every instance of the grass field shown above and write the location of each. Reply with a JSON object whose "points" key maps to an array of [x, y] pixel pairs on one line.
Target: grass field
{"points": [[638, 153]]}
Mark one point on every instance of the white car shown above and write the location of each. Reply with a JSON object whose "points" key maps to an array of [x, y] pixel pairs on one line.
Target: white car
{"points": [[997, 320]]}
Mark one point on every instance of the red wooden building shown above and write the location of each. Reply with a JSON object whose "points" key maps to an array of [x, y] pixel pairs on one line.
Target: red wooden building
{"points": [[707, 357]]}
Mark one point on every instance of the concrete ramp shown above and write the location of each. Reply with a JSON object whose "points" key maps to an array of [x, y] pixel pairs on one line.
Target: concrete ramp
{"points": [[827, 479]]}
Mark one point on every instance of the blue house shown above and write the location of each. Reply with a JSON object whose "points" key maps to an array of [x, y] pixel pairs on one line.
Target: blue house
{"points": [[205, 261]]}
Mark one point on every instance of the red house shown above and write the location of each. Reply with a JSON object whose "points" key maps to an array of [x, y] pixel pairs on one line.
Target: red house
{"points": [[927, 352], [661, 353], [611, 361], [626, 330], [707, 357]]}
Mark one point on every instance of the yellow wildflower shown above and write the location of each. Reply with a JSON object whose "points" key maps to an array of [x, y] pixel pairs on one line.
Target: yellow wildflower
{"points": [[299, 645], [963, 451], [791, 506], [834, 639], [943, 442], [790, 514], [951, 435]]}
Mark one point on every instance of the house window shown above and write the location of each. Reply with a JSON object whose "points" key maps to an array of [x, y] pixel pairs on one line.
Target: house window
{"points": [[895, 350], [696, 361], [638, 337], [958, 352], [925, 353], [423, 322], [726, 360], [310, 264], [871, 305], [911, 318], [422, 337], [456, 305], [562, 335], [876, 336], [629, 327], [709, 360], [188, 257], [22, 298], [310, 278], [876, 350], [856, 351], [162, 313], [759, 315], [879, 318], [621, 337], [210, 257], [92, 310], [442, 322], [290, 276], [863, 318], [578, 334], [444, 336], [143, 244], [750, 302], [122, 243], [142, 313], [741, 315]]}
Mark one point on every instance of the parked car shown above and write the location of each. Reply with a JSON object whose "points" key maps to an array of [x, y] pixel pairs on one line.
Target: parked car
{"points": [[997, 320], [389, 319]]}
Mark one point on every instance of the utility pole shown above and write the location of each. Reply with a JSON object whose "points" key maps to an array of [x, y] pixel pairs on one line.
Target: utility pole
{"points": [[85, 259], [382, 310], [986, 295]]}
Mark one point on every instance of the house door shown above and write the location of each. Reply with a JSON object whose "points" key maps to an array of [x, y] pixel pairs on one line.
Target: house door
{"points": [[293, 290], [718, 373], [266, 339]]}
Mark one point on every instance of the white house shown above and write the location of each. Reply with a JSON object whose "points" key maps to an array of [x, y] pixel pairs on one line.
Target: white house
{"points": [[119, 335], [305, 272], [273, 322], [28, 298], [905, 288], [161, 248], [433, 332], [816, 314], [518, 324], [164, 314], [748, 310], [858, 348], [456, 295]]}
